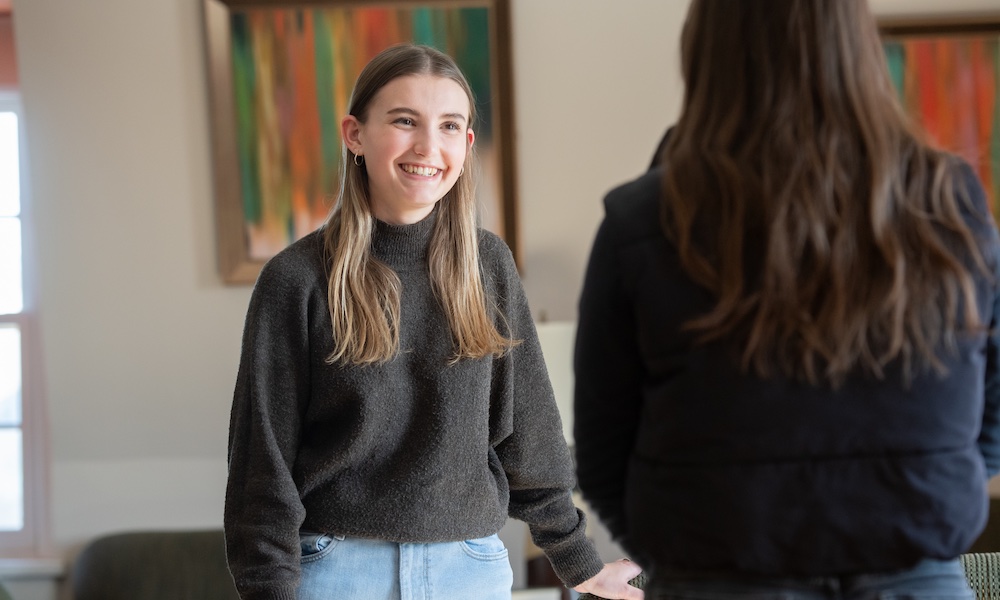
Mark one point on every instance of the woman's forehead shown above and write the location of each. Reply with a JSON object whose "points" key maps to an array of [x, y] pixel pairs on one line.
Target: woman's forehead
{"points": [[424, 94]]}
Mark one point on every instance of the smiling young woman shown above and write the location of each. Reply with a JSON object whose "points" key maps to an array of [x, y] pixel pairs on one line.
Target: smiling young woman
{"points": [[392, 406], [413, 141]]}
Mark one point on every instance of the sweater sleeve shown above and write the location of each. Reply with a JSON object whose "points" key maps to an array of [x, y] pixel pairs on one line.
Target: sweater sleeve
{"points": [[263, 511], [531, 448], [608, 378]]}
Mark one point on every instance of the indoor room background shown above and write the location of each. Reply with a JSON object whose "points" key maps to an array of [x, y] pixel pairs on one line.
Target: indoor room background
{"points": [[141, 339]]}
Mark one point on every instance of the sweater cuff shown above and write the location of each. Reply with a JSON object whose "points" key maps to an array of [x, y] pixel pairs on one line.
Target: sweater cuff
{"points": [[575, 563]]}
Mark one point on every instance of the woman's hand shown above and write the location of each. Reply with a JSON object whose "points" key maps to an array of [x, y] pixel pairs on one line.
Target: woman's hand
{"points": [[612, 582]]}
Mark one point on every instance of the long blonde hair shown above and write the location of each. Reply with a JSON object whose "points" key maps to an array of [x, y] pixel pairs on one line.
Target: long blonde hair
{"points": [[798, 192], [364, 293]]}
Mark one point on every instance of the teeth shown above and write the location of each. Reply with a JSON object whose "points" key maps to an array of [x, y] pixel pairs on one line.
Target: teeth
{"points": [[425, 171]]}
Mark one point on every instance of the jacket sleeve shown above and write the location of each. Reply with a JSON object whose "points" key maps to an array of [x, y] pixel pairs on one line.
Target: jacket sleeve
{"points": [[608, 375], [989, 435], [980, 219], [263, 511], [528, 441]]}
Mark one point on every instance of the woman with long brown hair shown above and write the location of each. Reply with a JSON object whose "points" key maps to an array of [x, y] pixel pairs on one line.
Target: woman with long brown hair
{"points": [[392, 407], [786, 370]]}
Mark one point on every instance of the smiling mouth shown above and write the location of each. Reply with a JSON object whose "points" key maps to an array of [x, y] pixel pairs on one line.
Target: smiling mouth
{"points": [[422, 171]]}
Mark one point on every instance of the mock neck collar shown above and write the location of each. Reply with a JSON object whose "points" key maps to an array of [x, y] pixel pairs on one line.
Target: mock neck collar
{"points": [[401, 246]]}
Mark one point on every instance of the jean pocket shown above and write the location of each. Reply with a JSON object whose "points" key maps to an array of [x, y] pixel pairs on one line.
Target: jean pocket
{"points": [[485, 548], [315, 546]]}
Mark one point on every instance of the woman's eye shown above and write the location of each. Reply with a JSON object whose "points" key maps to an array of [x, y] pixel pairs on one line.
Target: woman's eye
{"points": [[404, 121], [452, 126]]}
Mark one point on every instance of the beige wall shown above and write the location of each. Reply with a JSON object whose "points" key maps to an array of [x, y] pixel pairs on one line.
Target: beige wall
{"points": [[141, 340], [594, 94]]}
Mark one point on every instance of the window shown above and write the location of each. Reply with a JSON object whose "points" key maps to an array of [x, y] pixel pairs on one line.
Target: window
{"points": [[21, 451]]}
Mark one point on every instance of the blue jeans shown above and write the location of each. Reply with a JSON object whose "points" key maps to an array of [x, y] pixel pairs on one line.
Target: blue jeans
{"points": [[339, 568], [929, 579]]}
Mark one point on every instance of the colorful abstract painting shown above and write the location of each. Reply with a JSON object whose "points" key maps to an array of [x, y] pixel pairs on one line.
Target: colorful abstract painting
{"points": [[950, 82], [293, 70]]}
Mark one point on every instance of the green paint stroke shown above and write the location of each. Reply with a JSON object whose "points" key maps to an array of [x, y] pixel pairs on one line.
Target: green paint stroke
{"points": [[423, 28], [328, 123], [244, 80], [895, 56], [473, 55]]}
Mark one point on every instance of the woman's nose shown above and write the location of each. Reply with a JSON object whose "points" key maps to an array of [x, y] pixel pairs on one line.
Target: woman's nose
{"points": [[424, 143]]}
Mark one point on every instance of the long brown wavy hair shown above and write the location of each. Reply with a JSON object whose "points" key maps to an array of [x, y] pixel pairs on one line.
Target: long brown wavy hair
{"points": [[798, 192], [363, 292]]}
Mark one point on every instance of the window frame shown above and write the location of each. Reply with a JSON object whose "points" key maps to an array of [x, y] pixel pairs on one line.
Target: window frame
{"points": [[32, 541]]}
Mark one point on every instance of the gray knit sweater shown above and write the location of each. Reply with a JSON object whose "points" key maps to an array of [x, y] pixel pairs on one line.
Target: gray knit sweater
{"points": [[413, 450]]}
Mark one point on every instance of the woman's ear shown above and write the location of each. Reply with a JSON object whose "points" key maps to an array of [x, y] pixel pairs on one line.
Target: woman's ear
{"points": [[350, 131], [472, 136]]}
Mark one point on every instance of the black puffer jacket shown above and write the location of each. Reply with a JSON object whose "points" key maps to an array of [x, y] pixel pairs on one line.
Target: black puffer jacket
{"points": [[694, 465]]}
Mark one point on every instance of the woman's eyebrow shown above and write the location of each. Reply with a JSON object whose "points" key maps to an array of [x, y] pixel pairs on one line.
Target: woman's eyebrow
{"points": [[403, 110], [409, 111]]}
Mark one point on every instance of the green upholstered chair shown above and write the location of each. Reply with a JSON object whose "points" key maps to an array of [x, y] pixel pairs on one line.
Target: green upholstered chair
{"points": [[156, 565], [982, 569]]}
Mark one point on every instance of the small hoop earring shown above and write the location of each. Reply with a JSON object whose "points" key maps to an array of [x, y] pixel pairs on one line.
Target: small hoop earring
{"points": [[359, 159]]}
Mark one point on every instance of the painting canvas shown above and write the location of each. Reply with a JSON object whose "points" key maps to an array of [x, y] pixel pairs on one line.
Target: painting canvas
{"points": [[948, 77], [281, 75]]}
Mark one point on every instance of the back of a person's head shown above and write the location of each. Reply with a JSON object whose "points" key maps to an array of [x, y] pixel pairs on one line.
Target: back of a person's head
{"points": [[798, 192], [804, 63]]}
